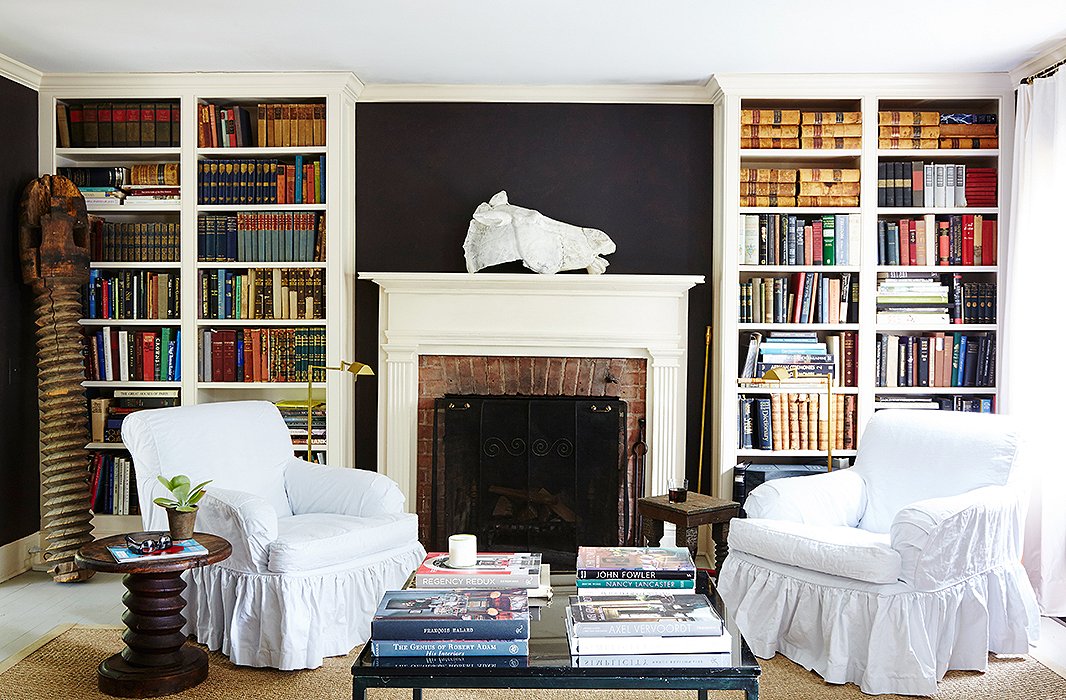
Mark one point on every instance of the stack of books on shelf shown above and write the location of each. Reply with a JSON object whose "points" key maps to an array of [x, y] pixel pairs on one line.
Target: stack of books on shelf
{"points": [[261, 181], [936, 359], [295, 414], [133, 242], [804, 297], [802, 354], [140, 184], [980, 187], [796, 420], [831, 130], [967, 404], [108, 412], [132, 294], [261, 237], [494, 570], [932, 130], [266, 125], [451, 623], [911, 298], [93, 124], [768, 187], [769, 128], [957, 239], [261, 354], [262, 293], [634, 570], [128, 355], [787, 239], [828, 187]]}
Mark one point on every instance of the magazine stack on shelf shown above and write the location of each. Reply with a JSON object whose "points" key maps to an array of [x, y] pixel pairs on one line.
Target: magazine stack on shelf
{"points": [[453, 623], [610, 571]]}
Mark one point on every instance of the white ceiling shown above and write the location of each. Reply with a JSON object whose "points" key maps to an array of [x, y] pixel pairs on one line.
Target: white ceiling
{"points": [[515, 42]]}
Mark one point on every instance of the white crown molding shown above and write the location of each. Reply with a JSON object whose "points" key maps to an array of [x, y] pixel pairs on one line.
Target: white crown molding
{"points": [[851, 85], [596, 94], [205, 84], [1038, 63], [20, 72]]}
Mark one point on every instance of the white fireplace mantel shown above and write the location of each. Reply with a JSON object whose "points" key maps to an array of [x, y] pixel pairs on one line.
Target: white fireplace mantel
{"points": [[570, 315]]}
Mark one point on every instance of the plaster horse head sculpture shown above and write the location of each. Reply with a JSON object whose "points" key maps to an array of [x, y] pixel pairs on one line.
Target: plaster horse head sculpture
{"points": [[500, 232]]}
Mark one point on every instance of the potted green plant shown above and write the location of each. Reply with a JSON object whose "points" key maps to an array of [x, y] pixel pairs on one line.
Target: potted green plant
{"points": [[181, 508]]}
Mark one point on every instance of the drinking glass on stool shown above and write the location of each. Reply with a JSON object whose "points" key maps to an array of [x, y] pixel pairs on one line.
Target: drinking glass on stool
{"points": [[678, 490]]}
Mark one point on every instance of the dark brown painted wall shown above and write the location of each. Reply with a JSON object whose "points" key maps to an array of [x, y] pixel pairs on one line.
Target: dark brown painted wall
{"points": [[642, 173], [19, 477]]}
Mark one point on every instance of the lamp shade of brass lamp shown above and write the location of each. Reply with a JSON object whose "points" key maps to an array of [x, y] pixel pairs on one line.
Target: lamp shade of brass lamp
{"points": [[355, 369]]}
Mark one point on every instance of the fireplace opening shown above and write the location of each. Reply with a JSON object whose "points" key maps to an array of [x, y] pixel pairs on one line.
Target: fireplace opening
{"points": [[532, 473]]}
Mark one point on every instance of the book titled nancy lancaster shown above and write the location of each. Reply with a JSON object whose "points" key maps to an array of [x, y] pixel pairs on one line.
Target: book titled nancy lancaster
{"points": [[452, 614], [495, 570]]}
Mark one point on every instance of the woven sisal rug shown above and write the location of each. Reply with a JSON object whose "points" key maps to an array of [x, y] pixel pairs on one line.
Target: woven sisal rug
{"points": [[62, 666]]}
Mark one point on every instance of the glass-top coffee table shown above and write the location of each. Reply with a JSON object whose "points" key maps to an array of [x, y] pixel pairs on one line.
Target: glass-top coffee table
{"points": [[550, 666]]}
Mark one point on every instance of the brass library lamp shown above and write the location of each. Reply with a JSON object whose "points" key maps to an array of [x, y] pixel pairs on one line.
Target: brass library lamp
{"points": [[356, 369]]}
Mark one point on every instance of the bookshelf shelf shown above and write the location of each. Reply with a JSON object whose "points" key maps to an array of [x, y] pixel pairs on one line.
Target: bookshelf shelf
{"points": [[260, 322], [736, 404], [105, 446], [245, 264], [207, 208], [335, 92]]}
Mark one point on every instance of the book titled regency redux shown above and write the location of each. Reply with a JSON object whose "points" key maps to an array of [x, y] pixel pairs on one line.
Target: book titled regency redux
{"points": [[452, 614], [492, 570]]}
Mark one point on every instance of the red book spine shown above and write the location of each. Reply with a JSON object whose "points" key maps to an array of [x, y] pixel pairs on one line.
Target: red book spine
{"points": [[912, 241], [229, 356], [147, 357], [943, 244], [216, 356], [989, 251], [816, 243], [967, 239]]}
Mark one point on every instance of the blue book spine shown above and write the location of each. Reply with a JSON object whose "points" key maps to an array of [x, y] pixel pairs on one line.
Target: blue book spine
{"points": [[322, 176], [299, 193], [450, 648], [177, 356], [453, 630], [960, 377]]}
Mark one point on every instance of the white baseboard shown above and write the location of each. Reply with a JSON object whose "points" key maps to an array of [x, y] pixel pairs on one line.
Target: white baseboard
{"points": [[16, 558]]}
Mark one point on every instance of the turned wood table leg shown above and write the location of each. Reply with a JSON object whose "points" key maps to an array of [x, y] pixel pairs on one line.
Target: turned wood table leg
{"points": [[688, 537], [156, 660], [720, 535], [653, 532]]}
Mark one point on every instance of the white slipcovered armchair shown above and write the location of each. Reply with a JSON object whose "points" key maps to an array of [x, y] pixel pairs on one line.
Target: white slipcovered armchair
{"points": [[892, 572], [314, 547]]}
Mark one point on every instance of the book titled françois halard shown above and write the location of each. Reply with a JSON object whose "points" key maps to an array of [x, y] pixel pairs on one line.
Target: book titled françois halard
{"points": [[492, 570], [634, 563], [452, 614], [178, 550]]}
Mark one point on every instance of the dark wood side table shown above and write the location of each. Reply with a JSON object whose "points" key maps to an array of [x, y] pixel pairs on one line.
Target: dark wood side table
{"points": [[156, 660], [687, 517]]}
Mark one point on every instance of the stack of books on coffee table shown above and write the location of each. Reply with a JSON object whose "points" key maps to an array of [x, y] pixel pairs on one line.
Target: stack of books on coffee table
{"points": [[496, 570], [451, 623], [615, 570]]}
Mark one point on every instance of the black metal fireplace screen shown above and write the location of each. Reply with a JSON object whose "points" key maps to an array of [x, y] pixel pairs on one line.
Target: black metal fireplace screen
{"points": [[535, 474]]}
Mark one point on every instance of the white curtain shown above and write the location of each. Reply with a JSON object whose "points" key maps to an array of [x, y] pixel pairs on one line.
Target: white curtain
{"points": [[1033, 375]]}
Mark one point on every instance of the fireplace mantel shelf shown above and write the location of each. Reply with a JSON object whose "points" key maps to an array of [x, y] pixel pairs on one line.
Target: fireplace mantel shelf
{"points": [[568, 315]]}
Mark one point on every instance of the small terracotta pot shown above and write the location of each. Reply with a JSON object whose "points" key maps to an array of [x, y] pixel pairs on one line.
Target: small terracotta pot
{"points": [[181, 523]]}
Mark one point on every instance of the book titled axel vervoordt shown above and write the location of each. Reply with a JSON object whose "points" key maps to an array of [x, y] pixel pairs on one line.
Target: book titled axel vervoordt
{"points": [[634, 563], [452, 614], [492, 570], [449, 648]]}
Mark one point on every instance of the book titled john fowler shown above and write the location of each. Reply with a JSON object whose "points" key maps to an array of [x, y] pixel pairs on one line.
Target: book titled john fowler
{"points": [[655, 615], [634, 563], [452, 614], [492, 570]]}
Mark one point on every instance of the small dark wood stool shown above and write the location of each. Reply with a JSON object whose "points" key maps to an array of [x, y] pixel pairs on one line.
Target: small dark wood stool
{"points": [[687, 517], [156, 660]]}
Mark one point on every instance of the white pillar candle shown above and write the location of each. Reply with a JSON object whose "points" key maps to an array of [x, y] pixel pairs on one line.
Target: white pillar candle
{"points": [[462, 550]]}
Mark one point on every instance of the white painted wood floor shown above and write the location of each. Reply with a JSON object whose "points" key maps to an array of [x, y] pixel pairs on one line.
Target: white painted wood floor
{"points": [[31, 605]]}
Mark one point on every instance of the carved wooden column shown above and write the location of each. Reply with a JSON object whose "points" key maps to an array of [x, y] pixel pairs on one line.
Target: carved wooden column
{"points": [[54, 254]]}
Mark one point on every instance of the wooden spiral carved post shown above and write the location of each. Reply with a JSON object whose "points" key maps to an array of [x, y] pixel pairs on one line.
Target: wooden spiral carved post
{"points": [[54, 254]]}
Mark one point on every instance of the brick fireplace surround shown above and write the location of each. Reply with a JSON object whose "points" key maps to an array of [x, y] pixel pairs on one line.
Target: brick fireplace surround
{"points": [[439, 375], [433, 321]]}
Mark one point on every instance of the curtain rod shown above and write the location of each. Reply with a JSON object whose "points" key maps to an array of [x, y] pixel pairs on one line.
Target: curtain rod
{"points": [[1049, 71]]}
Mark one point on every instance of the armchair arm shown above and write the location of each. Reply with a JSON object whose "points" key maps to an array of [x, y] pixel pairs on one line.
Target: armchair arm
{"points": [[249, 522], [943, 540], [315, 488], [836, 498]]}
